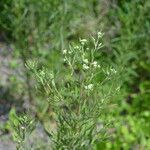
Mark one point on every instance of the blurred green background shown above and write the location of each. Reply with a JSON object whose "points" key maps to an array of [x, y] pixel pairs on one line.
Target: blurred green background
{"points": [[41, 29]]}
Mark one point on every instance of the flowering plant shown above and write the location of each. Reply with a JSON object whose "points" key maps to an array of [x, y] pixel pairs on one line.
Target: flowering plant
{"points": [[78, 95]]}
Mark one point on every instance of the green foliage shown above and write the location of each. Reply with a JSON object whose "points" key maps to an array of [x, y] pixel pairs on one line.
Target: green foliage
{"points": [[21, 127], [37, 27], [79, 96], [40, 30], [128, 134], [130, 39], [45, 21], [130, 22]]}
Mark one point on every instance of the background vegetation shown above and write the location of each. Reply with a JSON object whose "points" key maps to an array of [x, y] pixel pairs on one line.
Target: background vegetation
{"points": [[41, 30]]}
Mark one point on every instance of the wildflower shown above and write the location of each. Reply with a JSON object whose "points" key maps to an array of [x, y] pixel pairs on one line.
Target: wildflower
{"points": [[89, 87], [85, 66], [94, 63], [85, 60], [76, 47], [98, 66], [100, 34], [64, 51], [69, 52], [113, 70], [83, 41], [23, 128], [65, 59]]}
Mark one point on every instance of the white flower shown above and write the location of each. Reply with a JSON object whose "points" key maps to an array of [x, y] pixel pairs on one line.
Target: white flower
{"points": [[85, 60], [23, 128], [94, 63], [83, 41], [76, 47], [65, 59], [64, 51], [69, 52], [89, 87], [85, 66], [98, 66], [100, 34], [113, 70]]}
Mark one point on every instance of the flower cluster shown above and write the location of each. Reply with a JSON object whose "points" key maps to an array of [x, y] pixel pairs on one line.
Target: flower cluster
{"points": [[89, 87], [80, 95], [100, 34], [85, 67], [95, 64], [83, 41], [65, 51], [110, 71], [86, 64]]}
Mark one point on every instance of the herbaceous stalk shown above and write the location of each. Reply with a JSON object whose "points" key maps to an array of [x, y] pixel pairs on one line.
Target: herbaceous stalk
{"points": [[78, 94]]}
